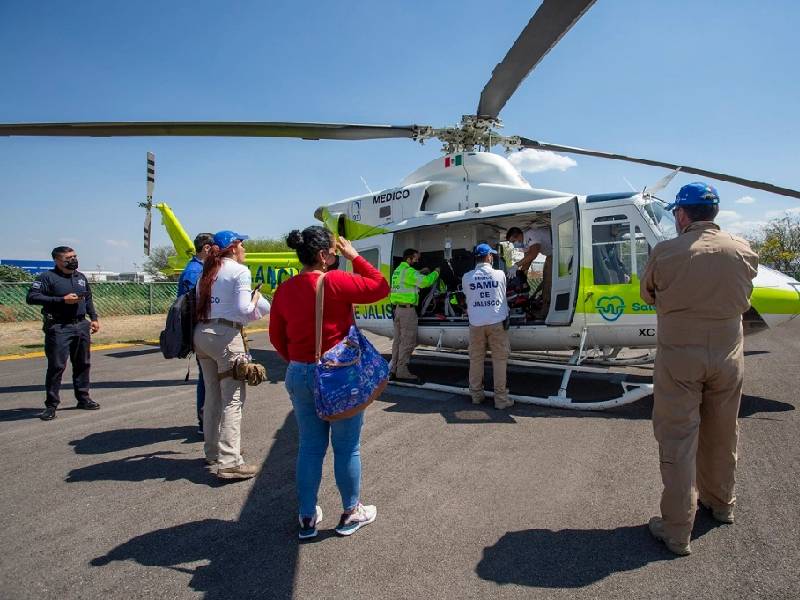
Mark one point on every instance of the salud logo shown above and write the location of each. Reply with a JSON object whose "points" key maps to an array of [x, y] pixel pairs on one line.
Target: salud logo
{"points": [[610, 307]]}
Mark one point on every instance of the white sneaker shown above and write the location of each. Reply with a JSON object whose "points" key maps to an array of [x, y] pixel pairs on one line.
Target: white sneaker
{"points": [[308, 525], [362, 515]]}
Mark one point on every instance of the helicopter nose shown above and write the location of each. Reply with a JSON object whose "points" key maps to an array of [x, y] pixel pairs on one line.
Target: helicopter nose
{"points": [[776, 296]]}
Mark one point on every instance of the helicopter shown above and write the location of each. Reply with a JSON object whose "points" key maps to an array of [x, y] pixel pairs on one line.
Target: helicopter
{"points": [[601, 242]]}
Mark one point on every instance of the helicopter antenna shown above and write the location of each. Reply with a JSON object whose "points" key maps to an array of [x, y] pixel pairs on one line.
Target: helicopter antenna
{"points": [[364, 181], [630, 185]]}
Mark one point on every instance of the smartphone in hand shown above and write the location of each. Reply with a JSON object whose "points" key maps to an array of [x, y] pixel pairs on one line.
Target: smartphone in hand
{"points": [[256, 289]]}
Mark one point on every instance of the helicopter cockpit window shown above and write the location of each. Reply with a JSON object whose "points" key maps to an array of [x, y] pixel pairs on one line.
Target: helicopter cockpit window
{"points": [[662, 219], [372, 256], [566, 248], [611, 251], [642, 252]]}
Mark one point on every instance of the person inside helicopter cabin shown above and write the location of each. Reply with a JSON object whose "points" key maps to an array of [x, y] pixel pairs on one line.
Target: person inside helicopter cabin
{"points": [[534, 241], [406, 284]]}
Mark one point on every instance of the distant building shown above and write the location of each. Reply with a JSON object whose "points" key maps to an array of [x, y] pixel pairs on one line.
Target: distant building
{"points": [[100, 275], [34, 267], [136, 276]]}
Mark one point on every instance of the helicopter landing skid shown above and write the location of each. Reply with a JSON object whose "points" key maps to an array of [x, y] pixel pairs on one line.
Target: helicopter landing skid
{"points": [[631, 392]]}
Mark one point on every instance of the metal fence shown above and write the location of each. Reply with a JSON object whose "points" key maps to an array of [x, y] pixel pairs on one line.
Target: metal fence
{"points": [[117, 298]]}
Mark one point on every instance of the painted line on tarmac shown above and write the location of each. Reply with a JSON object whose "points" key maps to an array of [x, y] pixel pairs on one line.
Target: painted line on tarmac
{"points": [[100, 347]]}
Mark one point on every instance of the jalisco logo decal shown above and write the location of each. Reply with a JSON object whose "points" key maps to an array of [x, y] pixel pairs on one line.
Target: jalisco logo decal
{"points": [[610, 307]]}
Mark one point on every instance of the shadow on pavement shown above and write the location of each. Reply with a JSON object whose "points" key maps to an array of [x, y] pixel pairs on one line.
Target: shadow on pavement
{"points": [[16, 389], [104, 442], [573, 558], [456, 408], [272, 361], [142, 467], [752, 405], [130, 353], [254, 557], [20, 414]]}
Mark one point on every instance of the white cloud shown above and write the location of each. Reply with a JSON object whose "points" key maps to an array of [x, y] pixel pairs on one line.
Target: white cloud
{"points": [[783, 213], [746, 200], [728, 215], [538, 161], [744, 227], [118, 243]]}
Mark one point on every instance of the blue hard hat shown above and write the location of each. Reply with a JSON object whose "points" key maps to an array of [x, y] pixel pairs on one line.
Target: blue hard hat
{"points": [[226, 237], [483, 250], [695, 193]]}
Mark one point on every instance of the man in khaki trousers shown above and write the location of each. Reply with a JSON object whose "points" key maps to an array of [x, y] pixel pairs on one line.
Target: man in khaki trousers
{"points": [[406, 283], [485, 291], [700, 283]]}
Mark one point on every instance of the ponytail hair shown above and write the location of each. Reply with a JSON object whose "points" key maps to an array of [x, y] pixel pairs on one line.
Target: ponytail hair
{"points": [[211, 266]]}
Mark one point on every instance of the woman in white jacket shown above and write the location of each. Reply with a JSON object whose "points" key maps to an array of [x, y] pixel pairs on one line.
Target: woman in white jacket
{"points": [[225, 304]]}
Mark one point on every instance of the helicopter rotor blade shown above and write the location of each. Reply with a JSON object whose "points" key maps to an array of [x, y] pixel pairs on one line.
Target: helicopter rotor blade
{"points": [[306, 131], [148, 226], [548, 25], [148, 217], [757, 185]]}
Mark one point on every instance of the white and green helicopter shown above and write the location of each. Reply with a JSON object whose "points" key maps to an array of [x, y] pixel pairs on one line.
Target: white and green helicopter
{"points": [[600, 241]]}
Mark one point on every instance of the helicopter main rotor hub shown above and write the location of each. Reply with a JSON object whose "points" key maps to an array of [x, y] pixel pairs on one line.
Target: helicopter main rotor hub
{"points": [[473, 132]]}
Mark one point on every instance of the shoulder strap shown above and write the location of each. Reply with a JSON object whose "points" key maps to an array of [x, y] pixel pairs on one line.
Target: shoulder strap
{"points": [[318, 316]]}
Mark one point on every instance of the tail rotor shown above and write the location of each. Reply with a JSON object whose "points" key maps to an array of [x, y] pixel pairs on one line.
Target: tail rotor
{"points": [[148, 218]]}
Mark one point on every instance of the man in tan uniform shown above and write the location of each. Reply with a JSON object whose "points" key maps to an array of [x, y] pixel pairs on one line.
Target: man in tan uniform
{"points": [[700, 283]]}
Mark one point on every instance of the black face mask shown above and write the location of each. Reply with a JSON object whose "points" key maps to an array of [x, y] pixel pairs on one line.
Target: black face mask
{"points": [[71, 264]]}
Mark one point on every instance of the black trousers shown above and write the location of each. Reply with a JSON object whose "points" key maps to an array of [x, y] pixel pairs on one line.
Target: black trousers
{"points": [[61, 342]]}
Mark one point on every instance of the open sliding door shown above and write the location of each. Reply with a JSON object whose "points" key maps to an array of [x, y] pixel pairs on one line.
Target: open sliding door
{"points": [[566, 263]]}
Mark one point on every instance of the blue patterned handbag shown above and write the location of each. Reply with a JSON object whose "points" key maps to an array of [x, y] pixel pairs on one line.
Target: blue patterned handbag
{"points": [[349, 376]]}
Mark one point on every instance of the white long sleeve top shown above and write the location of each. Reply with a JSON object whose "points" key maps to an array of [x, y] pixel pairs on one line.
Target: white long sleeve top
{"points": [[231, 295]]}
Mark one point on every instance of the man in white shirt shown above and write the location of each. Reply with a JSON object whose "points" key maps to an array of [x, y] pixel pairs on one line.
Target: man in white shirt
{"points": [[535, 241], [485, 290]]}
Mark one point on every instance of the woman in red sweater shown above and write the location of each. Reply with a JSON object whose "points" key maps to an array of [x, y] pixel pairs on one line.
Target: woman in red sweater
{"points": [[291, 331]]}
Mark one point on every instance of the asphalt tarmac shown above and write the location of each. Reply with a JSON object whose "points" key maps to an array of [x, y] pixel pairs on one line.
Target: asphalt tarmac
{"points": [[472, 502]]}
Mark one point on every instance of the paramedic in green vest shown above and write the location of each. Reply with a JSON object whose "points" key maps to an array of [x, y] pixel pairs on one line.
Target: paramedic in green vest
{"points": [[406, 284]]}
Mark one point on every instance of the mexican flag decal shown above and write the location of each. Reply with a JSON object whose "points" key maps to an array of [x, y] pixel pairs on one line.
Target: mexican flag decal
{"points": [[453, 161]]}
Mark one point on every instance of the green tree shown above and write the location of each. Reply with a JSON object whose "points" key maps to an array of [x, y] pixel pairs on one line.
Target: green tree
{"points": [[277, 244], [778, 244], [158, 260], [14, 274]]}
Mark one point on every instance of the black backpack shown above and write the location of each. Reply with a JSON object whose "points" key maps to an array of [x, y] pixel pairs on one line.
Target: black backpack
{"points": [[176, 341]]}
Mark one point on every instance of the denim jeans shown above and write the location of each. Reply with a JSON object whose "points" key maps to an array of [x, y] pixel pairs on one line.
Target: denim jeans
{"points": [[201, 394], [345, 436]]}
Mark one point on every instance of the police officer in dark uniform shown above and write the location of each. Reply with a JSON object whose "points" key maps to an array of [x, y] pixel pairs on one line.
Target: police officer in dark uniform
{"points": [[66, 299]]}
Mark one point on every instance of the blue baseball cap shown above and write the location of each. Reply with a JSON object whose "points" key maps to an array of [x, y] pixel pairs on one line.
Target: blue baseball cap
{"points": [[483, 250], [695, 193], [226, 237]]}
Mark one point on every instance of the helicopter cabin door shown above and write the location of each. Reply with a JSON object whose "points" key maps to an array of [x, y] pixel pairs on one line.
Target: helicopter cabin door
{"points": [[565, 263]]}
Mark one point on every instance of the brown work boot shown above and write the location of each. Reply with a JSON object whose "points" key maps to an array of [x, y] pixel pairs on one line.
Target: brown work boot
{"points": [[656, 526], [723, 515], [240, 472], [477, 397], [501, 402]]}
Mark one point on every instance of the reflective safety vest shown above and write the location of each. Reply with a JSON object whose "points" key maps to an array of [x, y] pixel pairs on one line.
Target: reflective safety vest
{"points": [[406, 283]]}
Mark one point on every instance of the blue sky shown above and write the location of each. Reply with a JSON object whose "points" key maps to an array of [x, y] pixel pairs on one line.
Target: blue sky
{"points": [[702, 82]]}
